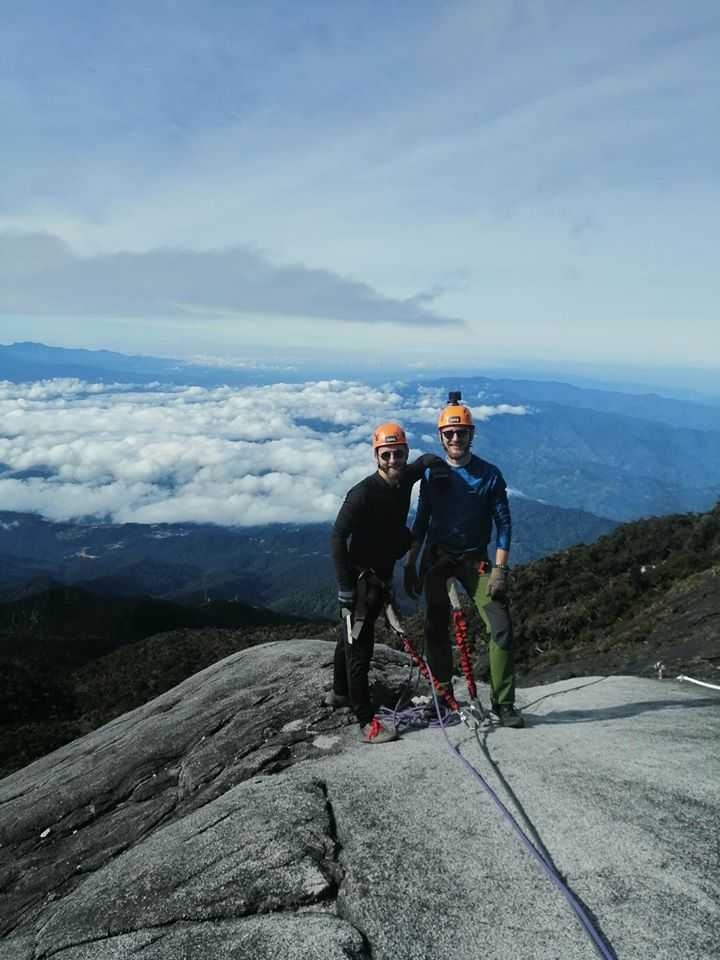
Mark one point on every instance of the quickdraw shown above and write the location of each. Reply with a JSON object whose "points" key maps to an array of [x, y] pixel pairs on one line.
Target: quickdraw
{"points": [[461, 635], [473, 715], [393, 621], [461, 639]]}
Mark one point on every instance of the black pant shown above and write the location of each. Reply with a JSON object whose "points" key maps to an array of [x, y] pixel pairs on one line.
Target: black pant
{"points": [[495, 614], [352, 660]]}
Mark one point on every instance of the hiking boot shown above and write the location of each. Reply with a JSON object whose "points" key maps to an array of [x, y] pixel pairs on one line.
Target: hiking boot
{"points": [[376, 732], [508, 715], [336, 700]]}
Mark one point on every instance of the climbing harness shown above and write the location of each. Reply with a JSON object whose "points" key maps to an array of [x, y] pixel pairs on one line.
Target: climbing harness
{"points": [[355, 619]]}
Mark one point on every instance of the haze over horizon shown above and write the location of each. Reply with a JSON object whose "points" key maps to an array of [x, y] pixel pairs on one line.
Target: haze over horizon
{"points": [[508, 186]]}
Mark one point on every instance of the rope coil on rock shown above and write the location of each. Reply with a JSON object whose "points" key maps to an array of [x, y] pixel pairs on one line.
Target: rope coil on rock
{"points": [[425, 671]]}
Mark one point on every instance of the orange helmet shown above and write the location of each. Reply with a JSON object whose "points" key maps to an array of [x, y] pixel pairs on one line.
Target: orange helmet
{"points": [[389, 435], [455, 415]]}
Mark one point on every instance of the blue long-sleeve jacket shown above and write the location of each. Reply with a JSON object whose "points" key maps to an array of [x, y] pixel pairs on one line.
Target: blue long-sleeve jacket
{"points": [[457, 514]]}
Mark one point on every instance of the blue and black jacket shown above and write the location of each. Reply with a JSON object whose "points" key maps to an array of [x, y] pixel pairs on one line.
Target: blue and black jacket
{"points": [[457, 514]]}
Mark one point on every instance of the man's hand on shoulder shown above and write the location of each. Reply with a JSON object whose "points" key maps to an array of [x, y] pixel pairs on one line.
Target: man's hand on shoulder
{"points": [[438, 469]]}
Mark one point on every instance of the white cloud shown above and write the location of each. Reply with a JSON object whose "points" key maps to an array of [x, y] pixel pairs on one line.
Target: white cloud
{"points": [[549, 168], [39, 274], [261, 454]]}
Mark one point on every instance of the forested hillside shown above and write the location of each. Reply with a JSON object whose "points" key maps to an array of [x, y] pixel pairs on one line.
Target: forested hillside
{"points": [[646, 594]]}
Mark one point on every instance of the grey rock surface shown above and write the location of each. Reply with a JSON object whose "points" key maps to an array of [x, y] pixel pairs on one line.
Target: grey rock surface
{"points": [[236, 817]]}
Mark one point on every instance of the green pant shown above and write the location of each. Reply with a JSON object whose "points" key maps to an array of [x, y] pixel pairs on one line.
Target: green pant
{"points": [[495, 615]]}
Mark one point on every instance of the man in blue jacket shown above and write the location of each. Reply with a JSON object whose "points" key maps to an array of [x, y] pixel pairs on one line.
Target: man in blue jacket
{"points": [[456, 517]]}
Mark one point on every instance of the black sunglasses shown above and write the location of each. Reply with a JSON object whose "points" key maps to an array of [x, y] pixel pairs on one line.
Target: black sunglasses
{"points": [[399, 454], [461, 434]]}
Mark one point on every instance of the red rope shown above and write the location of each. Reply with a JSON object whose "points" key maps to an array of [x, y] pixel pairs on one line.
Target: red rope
{"points": [[422, 667], [461, 638]]}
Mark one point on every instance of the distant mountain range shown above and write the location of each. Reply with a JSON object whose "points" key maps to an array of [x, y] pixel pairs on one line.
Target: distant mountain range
{"points": [[644, 600], [283, 567], [26, 361], [645, 406], [641, 600], [71, 659], [23, 362], [612, 454], [575, 448], [98, 617]]}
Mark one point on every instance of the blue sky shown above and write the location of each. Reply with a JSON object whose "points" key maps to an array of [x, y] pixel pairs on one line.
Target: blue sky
{"points": [[507, 183]]}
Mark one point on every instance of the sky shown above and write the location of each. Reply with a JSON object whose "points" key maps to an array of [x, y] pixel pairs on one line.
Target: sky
{"points": [[284, 453], [397, 184]]}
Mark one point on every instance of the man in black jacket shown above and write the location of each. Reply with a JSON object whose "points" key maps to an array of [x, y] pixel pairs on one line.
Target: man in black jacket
{"points": [[373, 518]]}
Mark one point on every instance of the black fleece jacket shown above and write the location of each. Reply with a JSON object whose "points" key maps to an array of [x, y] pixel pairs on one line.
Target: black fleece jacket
{"points": [[374, 517]]}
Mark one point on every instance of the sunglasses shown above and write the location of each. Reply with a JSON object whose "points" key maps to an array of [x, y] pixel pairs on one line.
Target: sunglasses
{"points": [[461, 434], [393, 455]]}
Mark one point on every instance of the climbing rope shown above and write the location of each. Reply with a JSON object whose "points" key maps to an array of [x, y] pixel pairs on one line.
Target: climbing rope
{"points": [[700, 683], [412, 717], [461, 635], [461, 639], [425, 672], [603, 949], [416, 717]]}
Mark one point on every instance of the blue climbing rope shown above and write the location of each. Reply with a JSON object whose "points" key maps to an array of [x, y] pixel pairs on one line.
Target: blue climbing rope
{"points": [[603, 950]]}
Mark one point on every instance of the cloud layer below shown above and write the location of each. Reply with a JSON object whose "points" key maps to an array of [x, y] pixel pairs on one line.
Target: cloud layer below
{"points": [[255, 455]]}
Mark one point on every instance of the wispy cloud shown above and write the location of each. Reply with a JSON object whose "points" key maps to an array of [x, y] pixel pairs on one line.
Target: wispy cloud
{"points": [[521, 160], [277, 453], [40, 274]]}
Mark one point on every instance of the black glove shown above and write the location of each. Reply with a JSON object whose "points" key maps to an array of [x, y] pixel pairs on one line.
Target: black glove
{"points": [[411, 581], [439, 470], [346, 599], [498, 583]]}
